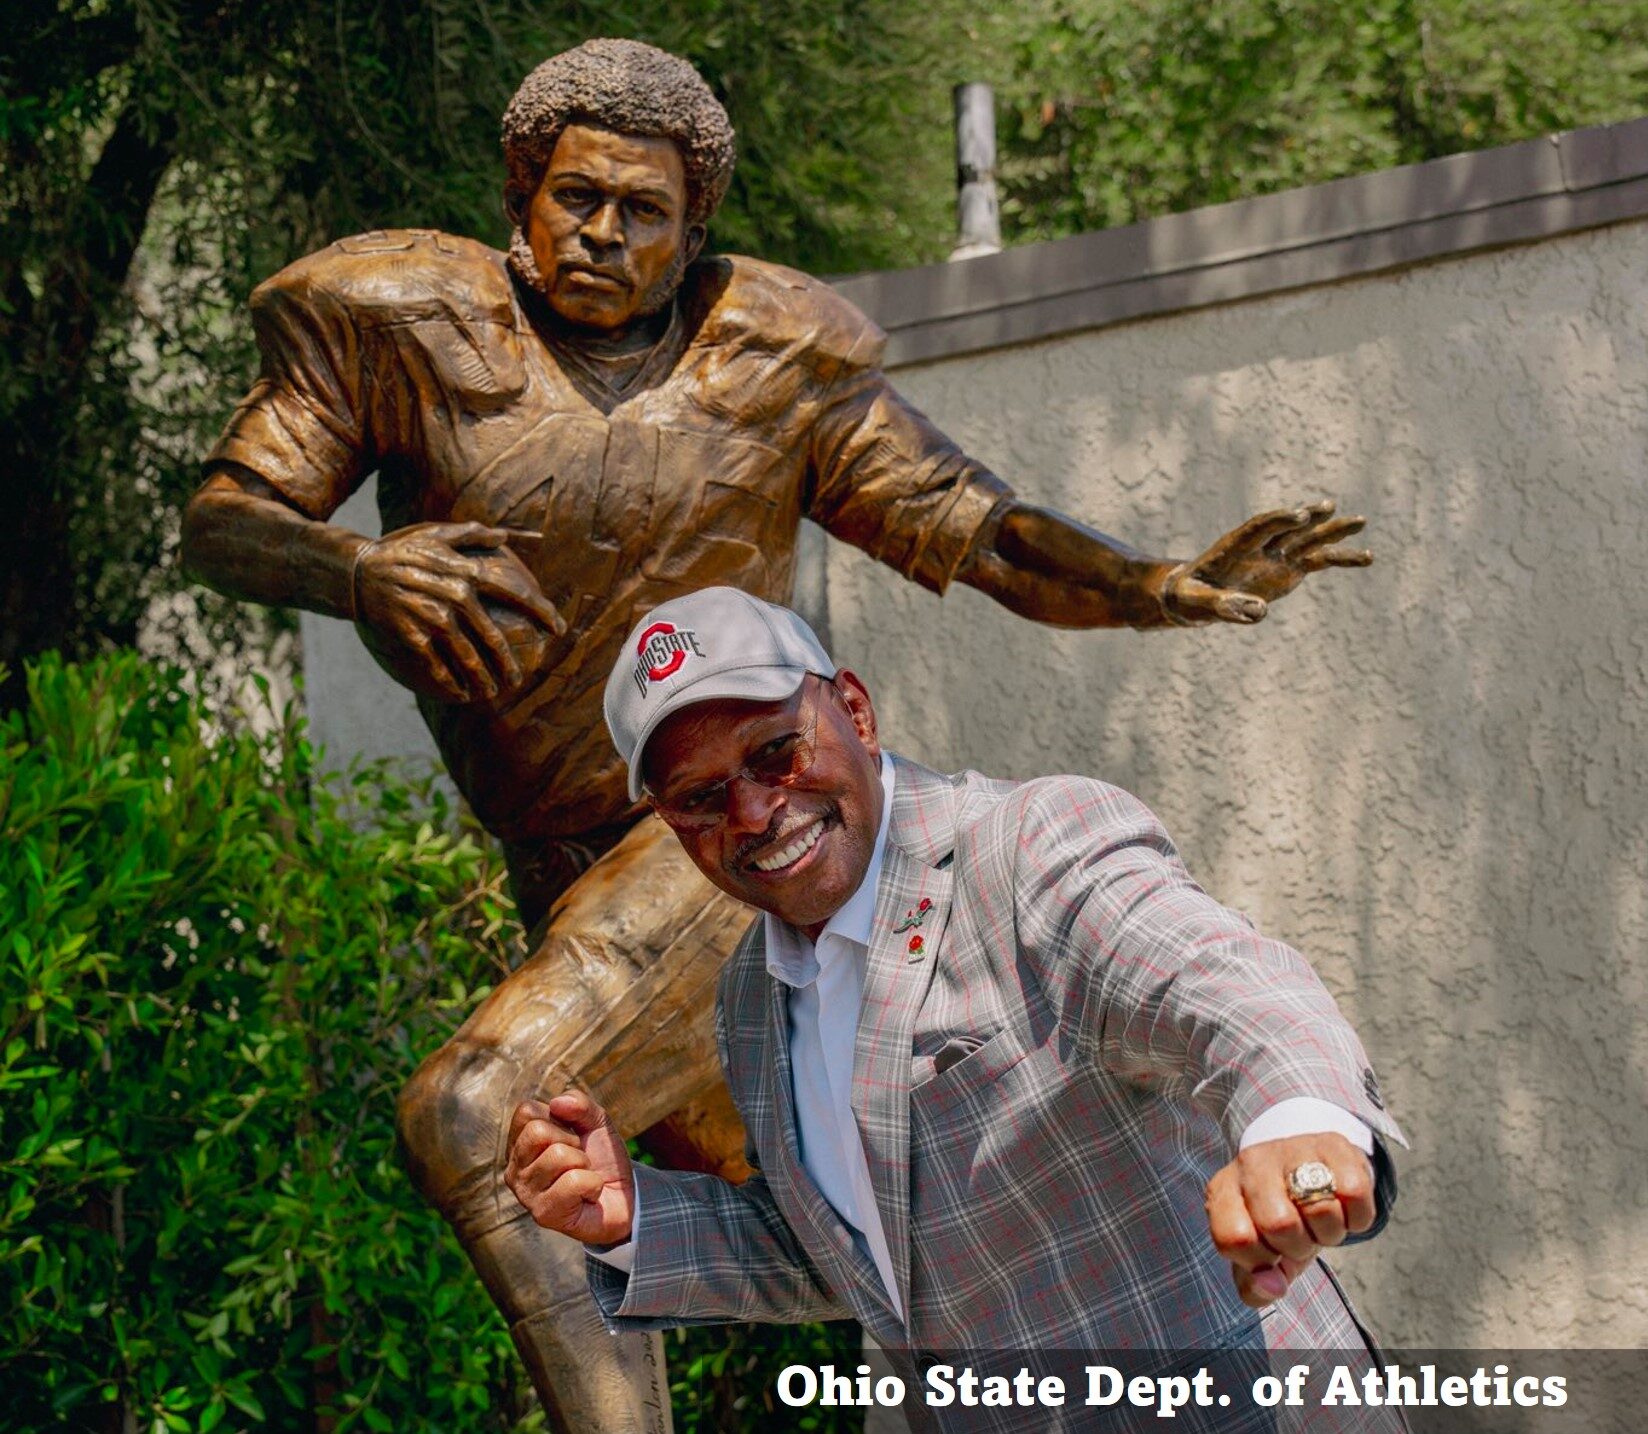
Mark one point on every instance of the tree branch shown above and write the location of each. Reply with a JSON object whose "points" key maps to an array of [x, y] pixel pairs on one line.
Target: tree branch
{"points": [[114, 207]]}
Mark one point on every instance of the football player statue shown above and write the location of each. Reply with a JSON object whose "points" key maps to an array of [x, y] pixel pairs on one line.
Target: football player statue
{"points": [[564, 436]]}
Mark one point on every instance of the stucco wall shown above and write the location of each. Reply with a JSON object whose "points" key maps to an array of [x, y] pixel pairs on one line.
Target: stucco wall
{"points": [[357, 712], [1430, 775]]}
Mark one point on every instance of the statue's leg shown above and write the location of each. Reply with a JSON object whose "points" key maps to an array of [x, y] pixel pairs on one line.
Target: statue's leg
{"points": [[616, 998]]}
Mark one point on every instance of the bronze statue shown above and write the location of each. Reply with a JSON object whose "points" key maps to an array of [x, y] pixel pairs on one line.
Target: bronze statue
{"points": [[564, 437]]}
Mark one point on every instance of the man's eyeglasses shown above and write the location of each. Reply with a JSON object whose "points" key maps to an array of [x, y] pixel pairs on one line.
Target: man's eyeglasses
{"points": [[780, 761]]}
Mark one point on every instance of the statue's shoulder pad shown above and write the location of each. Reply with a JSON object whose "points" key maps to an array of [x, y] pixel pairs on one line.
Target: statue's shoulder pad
{"points": [[784, 308], [397, 276]]}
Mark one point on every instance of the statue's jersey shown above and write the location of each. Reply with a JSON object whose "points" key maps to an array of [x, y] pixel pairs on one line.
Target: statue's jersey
{"points": [[414, 354]]}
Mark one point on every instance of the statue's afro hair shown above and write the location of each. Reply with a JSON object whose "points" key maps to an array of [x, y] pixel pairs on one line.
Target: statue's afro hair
{"points": [[626, 86]]}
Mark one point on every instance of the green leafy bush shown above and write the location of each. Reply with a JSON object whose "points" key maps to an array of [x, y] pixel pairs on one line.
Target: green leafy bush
{"points": [[216, 969], [725, 1377], [215, 977]]}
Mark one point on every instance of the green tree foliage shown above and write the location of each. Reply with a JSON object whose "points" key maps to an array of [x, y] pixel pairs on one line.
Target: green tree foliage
{"points": [[158, 157], [216, 971], [1118, 110]]}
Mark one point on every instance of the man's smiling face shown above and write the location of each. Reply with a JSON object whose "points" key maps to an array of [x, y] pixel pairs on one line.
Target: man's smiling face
{"points": [[798, 850]]}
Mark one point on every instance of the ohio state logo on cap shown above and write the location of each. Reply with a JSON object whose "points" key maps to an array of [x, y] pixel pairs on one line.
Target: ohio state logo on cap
{"points": [[662, 649]]}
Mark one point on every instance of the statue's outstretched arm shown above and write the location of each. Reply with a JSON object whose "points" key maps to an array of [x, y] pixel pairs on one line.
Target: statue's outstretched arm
{"points": [[1053, 569], [889, 482]]}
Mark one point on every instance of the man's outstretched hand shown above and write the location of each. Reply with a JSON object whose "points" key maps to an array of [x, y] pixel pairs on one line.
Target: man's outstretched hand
{"points": [[1265, 1236], [569, 1168], [1263, 559]]}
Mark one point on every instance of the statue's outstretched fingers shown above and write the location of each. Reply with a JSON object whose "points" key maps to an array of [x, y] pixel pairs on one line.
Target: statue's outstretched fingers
{"points": [[1316, 559], [1320, 535], [1241, 607], [1251, 537]]}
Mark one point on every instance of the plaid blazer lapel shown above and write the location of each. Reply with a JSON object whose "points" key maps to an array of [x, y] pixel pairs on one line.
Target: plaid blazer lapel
{"points": [[912, 911], [822, 1230]]}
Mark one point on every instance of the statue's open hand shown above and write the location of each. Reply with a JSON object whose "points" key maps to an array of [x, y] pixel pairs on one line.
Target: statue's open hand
{"points": [[570, 1169], [1261, 560], [452, 612]]}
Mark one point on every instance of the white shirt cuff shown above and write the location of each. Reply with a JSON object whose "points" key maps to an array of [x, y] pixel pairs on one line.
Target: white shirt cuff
{"points": [[1306, 1115], [620, 1257]]}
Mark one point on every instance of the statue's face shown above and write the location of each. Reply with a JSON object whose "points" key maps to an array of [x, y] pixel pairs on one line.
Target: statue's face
{"points": [[608, 226]]}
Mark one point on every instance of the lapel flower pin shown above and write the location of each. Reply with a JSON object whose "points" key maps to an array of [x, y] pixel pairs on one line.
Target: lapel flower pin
{"points": [[913, 919]]}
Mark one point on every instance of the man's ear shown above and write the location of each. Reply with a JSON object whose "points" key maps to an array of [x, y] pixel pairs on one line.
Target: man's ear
{"points": [[860, 708], [693, 242], [516, 202]]}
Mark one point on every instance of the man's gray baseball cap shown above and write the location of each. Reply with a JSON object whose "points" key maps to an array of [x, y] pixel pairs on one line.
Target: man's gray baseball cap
{"points": [[717, 642]]}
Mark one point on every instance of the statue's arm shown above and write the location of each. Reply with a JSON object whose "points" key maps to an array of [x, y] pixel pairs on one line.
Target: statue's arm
{"points": [[1046, 566], [294, 449], [888, 481], [243, 539], [437, 597], [448, 608]]}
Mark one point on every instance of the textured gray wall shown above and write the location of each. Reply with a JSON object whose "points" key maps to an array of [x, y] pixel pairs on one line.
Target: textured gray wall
{"points": [[356, 710], [1430, 775]]}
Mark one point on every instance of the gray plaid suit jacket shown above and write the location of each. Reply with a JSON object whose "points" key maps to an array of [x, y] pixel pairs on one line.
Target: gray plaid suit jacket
{"points": [[1117, 1030]]}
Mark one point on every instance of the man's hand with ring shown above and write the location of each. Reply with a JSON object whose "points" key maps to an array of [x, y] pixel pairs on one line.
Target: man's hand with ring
{"points": [[1267, 1236], [569, 1167]]}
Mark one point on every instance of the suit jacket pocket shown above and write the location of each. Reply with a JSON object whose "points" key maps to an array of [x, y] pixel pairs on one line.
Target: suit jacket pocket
{"points": [[961, 1074]]}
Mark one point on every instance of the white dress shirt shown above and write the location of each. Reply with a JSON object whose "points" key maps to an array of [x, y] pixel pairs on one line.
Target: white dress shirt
{"points": [[826, 981]]}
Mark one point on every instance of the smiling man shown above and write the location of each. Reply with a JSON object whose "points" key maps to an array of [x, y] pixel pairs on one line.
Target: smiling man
{"points": [[1011, 1080], [564, 436]]}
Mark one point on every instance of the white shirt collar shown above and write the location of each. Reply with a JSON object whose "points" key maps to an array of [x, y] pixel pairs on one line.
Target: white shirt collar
{"points": [[791, 957]]}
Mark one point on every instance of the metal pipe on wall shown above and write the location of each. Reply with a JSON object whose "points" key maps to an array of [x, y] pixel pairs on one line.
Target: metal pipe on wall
{"points": [[978, 218]]}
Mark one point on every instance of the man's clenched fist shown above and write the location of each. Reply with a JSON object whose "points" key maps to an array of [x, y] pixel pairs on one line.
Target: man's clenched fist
{"points": [[1266, 1237], [569, 1168]]}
